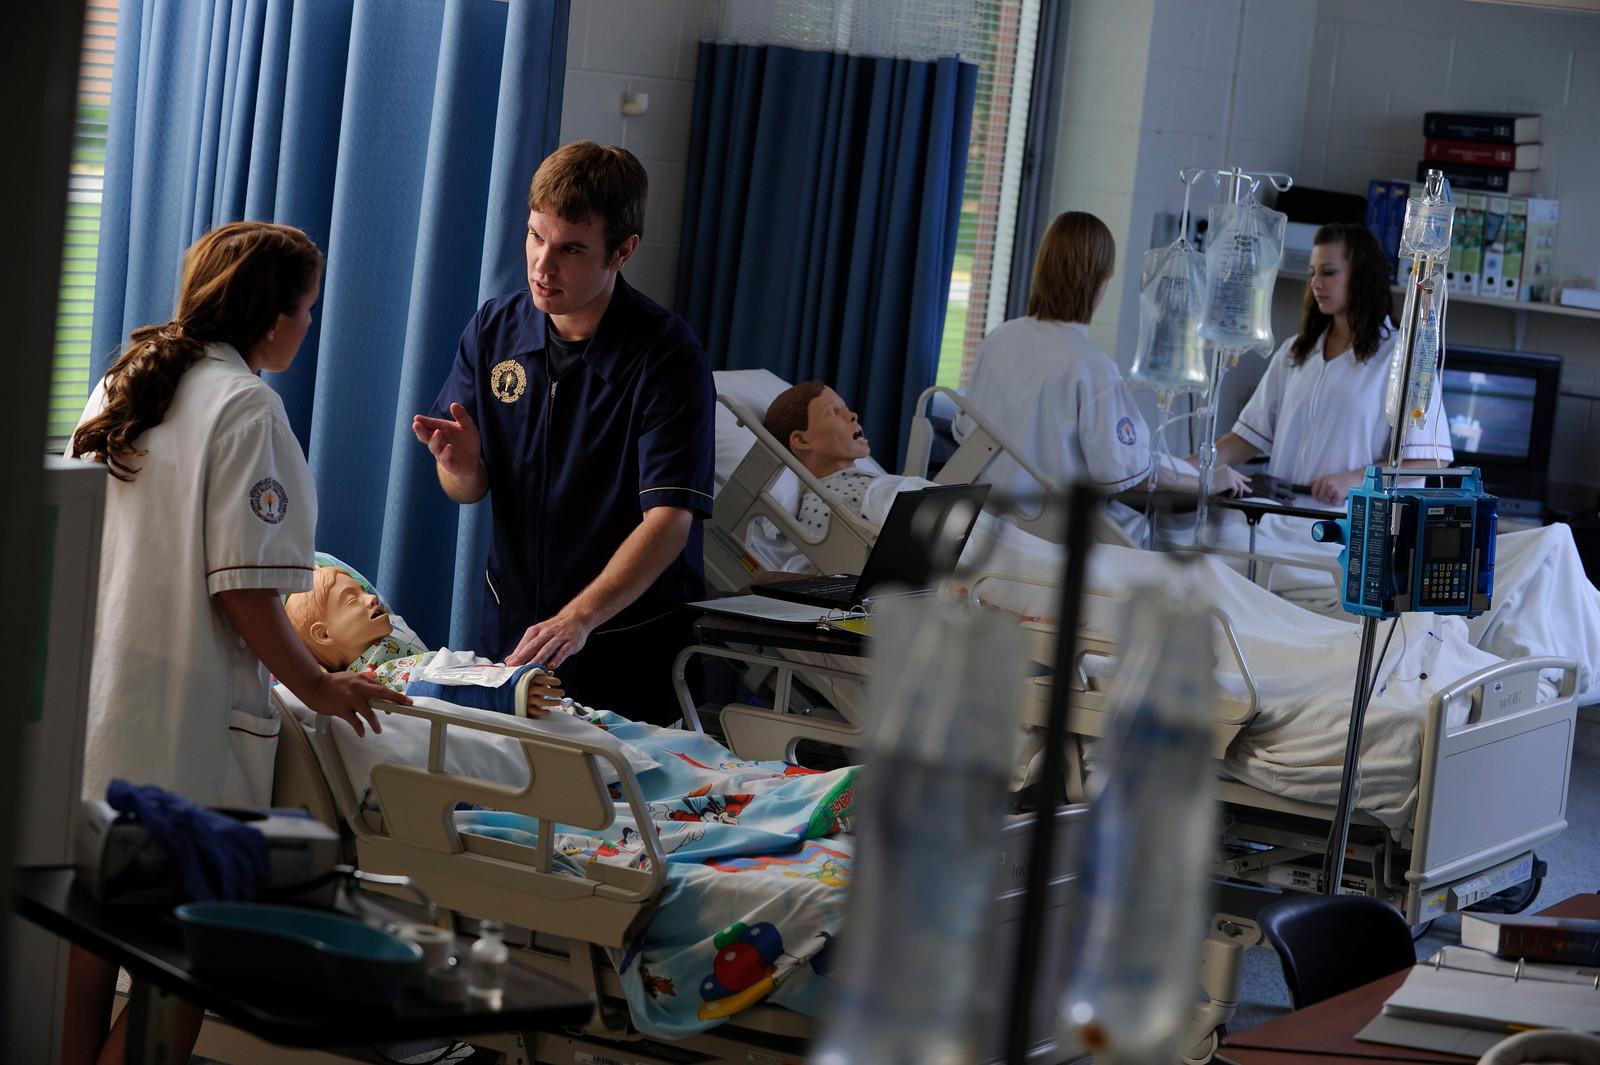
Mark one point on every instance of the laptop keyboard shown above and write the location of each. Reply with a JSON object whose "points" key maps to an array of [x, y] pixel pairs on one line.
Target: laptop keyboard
{"points": [[828, 587]]}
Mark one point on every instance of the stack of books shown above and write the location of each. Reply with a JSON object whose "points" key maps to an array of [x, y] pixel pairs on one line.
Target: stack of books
{"points": [[1481, 151], [1503, 243]]}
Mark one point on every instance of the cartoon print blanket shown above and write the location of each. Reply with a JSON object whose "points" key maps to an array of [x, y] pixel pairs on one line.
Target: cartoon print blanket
{"points": [[758, 862]]}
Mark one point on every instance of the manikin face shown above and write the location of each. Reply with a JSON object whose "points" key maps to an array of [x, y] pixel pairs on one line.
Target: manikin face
{"points": [[276, 351], [1330, 277], [834, 433], [569, 271], [354, 620]]}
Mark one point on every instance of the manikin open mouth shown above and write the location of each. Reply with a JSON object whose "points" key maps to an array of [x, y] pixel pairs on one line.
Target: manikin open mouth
{"points": [[379, 613], [858, 435]]}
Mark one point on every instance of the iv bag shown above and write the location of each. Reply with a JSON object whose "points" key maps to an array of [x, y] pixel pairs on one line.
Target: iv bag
{"points": [[1242, 258], [1171, 357], [1425, 240]]}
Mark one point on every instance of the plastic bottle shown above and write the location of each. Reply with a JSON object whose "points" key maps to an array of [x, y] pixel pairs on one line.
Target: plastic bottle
{"points": [[486, 965], [1143, 894], [944, 696]]}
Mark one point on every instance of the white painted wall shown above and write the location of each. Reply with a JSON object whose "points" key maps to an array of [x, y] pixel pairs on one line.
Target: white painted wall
{"points": [[1101, 134], [638, 46]]}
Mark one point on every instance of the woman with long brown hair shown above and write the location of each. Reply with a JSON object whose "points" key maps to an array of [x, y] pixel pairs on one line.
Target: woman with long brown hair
{"points": [[1318, 410], [209, 518]]}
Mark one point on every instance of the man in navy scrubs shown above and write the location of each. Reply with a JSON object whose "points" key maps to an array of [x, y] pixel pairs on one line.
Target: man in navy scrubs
{"points": [[584, 410]]}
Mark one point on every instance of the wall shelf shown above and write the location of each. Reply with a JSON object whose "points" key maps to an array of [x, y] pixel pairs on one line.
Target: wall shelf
{"points": [[1518, 307]]}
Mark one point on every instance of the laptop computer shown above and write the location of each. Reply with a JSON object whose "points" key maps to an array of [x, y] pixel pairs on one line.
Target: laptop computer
{"points": [[923, 534]]}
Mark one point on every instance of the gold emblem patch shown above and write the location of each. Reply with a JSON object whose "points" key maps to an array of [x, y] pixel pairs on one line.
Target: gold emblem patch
{"points": [[508, 380]]}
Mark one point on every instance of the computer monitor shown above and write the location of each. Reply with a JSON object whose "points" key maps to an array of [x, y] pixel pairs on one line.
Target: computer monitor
{"points": [[1501, 408]]}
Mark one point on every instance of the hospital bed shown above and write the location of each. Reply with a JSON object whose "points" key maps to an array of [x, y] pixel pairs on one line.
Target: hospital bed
{"points": [[572, 920], [1515, 731], [972, 457], [759, 484], [1491, 786]]}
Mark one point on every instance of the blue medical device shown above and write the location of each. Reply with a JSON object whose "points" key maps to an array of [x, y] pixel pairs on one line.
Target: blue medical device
{"points": [[1429, 550]]}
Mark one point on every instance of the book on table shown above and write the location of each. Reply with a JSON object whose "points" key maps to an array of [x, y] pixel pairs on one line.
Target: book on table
{"points": [[1464, 1000], [1565, 940]]}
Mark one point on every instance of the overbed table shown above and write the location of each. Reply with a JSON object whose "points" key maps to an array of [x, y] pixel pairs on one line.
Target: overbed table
{"points": [[1272, 498], [146, 942], [1324, 1033]]}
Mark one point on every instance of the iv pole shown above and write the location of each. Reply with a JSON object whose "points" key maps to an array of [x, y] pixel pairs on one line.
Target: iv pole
{"points": [[1421, 277]]}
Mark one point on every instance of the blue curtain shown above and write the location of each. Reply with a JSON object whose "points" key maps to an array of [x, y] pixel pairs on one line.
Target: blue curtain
{"points": [[819, 223], [401, 135]]}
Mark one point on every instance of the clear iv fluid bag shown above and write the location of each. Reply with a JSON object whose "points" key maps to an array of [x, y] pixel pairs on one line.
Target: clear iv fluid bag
{"points": [[1171, 357], [1425, 240], [1242, 257], [1143, 895]]}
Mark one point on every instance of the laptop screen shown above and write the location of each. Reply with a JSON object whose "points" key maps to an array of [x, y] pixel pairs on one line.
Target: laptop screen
{"points": [[922, 536]]}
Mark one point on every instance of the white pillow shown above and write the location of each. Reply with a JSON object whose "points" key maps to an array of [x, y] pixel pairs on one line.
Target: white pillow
{"points": [[754, 390], [486, 756]]}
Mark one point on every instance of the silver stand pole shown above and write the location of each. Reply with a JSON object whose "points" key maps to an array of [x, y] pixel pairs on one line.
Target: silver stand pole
{"points": [[1339, 833], [1237, 186]]}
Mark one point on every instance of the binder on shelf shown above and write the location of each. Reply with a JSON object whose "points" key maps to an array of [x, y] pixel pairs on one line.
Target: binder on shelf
{"points": [[1470, 213], [1494, 245], [1539, 250], [1394, 222], [1377, 219], [1483, 153], [1481, 178], [1490, 126], [1516, 233], [1452, 269]]}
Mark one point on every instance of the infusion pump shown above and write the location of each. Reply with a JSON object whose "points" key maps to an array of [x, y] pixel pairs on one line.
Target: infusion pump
{"points": [[1429, 550]]}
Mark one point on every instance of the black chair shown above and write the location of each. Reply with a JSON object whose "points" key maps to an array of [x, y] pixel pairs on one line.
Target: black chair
{"points": [[1329, 945]]}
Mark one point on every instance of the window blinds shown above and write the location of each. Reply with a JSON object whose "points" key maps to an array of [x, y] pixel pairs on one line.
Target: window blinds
{"points": [[69, 380]]}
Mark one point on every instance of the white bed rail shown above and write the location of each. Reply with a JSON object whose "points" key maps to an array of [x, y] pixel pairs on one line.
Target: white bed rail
{"points": [[484, 876], [1495, 786], [972, 458], [748, 495], [1092, 643]]}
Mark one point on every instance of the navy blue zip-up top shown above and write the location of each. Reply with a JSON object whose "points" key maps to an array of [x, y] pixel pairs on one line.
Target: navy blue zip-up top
{"points": [[574, 462]]}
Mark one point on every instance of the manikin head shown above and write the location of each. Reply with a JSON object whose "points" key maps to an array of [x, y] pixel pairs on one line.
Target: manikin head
{"points": [[337, 619], [814, 423]]}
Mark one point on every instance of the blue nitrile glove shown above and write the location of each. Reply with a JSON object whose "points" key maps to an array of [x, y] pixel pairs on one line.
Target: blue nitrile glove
{"points": [[220, 858]]}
